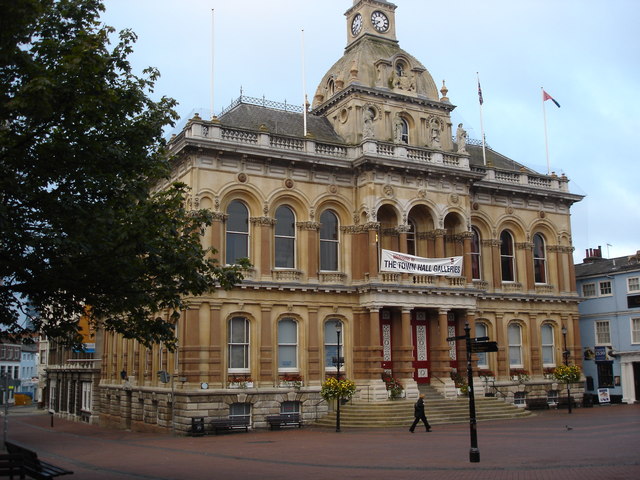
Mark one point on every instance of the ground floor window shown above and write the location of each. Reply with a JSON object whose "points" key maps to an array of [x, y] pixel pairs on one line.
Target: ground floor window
{"points": [[605, 374], [519, 398], [552, 397], [52, 395], [290, 407], [240, 410], [86, 396]]}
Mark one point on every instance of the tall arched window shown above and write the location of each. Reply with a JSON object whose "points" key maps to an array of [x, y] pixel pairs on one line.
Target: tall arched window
{"points": [[287, 345], [482, 331], [285, 238], [548, 345], [411, 238], [476, 273], [331, 352], [507, 258], [405, 131], [515, 345], [237, 235], [329, 241], [539, 259], [238, 345]]}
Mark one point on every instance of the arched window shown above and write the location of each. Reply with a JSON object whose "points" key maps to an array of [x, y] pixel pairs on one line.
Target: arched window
{"points": [[548, 345], [287, 345], [539, 259], [331, 87], [400, 69], [329, 241], [476, 273], [237, 234], [405, 131], [331, 353], [411, 238], [515, 345], [238, 345], [507, 258], [285, 238], [482, 331]]}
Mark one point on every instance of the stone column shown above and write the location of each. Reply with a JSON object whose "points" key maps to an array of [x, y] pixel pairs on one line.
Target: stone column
{"points": [[439, 237], [266, 368], [535, 345], [403, 358], [503, 348], [496, 277], [263, 244], [314, 368], [216, 362], [440, 351], [204, 334], [373, 229], [466, 256], [310, 261], [530, 280]]}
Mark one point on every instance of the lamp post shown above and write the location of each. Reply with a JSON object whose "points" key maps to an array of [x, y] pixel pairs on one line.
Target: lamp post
{"points": [[338, 332], [565, 354]]}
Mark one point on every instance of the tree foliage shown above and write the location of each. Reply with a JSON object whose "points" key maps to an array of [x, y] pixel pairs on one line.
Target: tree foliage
{"points": [[82, 220]]}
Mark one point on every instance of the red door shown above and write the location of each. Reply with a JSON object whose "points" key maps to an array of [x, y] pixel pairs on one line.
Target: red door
{"points": [[386, 340], [420, 334]]}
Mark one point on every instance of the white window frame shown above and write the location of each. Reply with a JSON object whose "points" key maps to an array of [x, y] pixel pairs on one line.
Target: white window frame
{"points": [[234, 410], [280, 237], [633, 285], [586, 286], [635, 330], [550, 347], [86, 396], [239, 236], [602, 337], [514, 346], [246, 344], [602, 286], [290, 406], [292, 368], [483, 358], [328, 364], [542, 260]]}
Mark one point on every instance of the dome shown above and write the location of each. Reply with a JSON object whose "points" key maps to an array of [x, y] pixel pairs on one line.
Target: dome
{"points": [[380, 65]]}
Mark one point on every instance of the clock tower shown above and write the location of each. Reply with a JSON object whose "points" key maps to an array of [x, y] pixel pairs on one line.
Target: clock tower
{"points": [[379, 91], [371, 18]]}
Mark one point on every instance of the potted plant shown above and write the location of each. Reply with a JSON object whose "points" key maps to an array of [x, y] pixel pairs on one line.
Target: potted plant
{"points": [[549, 372], [332, 388], [290, 380], [567, 373], [239, 381], [519, 375], [394, 387], [462, 388]]}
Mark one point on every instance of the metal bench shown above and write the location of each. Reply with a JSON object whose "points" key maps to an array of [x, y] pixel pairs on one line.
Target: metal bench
{"points": [[11, 465], [284, 420], [230, 423], [34, 467]]}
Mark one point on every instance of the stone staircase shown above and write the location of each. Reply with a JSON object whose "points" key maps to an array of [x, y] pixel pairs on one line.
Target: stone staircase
{"points": [[399, 413]]}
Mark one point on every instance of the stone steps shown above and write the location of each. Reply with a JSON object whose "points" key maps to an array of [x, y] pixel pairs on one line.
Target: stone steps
{"points": [[399, 413]]}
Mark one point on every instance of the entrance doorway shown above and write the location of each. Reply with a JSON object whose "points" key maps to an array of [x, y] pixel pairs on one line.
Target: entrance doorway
{"points": [[420, 336]]}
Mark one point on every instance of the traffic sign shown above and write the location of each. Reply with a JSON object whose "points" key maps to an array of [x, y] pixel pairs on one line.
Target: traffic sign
{"points": [[482, 347]]}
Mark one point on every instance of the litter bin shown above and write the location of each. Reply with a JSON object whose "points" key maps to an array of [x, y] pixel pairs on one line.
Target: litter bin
{"points": [[197, 426]]}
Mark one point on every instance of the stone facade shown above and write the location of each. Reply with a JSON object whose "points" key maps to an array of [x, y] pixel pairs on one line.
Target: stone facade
{"points": [[312, 201]]}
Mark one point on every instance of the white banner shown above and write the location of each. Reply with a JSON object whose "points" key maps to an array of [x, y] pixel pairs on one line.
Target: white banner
{"points": [[403, 263]]}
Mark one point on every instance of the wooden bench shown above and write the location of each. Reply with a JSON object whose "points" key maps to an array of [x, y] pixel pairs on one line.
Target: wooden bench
{"points": [[11, 465], [33, 466], [228, 424], [537, 404], [284, 420]]}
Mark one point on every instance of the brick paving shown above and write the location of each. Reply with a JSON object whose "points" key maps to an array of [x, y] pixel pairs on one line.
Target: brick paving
{"points": [[592, 443]]}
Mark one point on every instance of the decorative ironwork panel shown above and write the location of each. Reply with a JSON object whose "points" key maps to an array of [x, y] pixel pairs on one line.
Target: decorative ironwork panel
{"points": [[421, 343], [452, 345], [386, 343]]}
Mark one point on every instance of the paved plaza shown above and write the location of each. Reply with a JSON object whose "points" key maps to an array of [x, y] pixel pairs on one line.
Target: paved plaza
{"points": [[591, 443]]}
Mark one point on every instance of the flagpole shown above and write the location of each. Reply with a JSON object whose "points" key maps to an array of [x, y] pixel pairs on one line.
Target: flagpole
{"points": [[304, 91], [546, 141], [484, 153], [212, 114]]}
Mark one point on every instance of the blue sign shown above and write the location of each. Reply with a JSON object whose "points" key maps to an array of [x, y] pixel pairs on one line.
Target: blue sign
{"points": [[601, 354]]}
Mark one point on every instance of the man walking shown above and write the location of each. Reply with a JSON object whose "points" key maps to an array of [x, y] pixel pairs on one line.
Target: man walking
{"points": [[419, 414]]}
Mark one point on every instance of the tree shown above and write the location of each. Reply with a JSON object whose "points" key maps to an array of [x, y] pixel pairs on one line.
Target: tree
{"points": [[88, 219]]}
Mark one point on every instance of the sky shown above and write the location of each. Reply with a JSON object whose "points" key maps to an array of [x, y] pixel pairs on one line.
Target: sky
{"points": [[584, 53]]}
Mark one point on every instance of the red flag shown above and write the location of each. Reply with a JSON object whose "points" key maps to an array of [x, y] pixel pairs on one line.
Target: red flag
{"points": [[546, 96]]}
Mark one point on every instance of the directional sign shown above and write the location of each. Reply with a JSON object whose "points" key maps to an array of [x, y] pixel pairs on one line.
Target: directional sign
{"points": [[481, 347], [453, 339]]}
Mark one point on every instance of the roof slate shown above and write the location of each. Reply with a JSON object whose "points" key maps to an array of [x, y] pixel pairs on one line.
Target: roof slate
{"points": [[279, 122], [604, 266]]}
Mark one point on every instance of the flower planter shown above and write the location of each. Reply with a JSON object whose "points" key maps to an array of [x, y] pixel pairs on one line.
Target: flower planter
{"points": [[241, 385]]}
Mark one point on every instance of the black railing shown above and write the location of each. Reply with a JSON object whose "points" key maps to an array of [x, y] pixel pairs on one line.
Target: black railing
{"points": [[263, 102]]}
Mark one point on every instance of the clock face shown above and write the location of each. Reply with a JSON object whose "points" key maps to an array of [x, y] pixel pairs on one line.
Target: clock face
{"points": [[380, 21], [356, 25]]}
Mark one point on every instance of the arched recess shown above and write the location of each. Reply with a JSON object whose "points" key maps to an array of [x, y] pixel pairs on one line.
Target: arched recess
{"points": [[454, 225], [388, 217], [421, 221]]}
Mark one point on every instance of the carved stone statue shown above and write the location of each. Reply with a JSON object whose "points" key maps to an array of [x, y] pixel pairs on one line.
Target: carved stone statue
{"points": [[461, 139], [435, 134], [367, 129], [398, 127]]}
